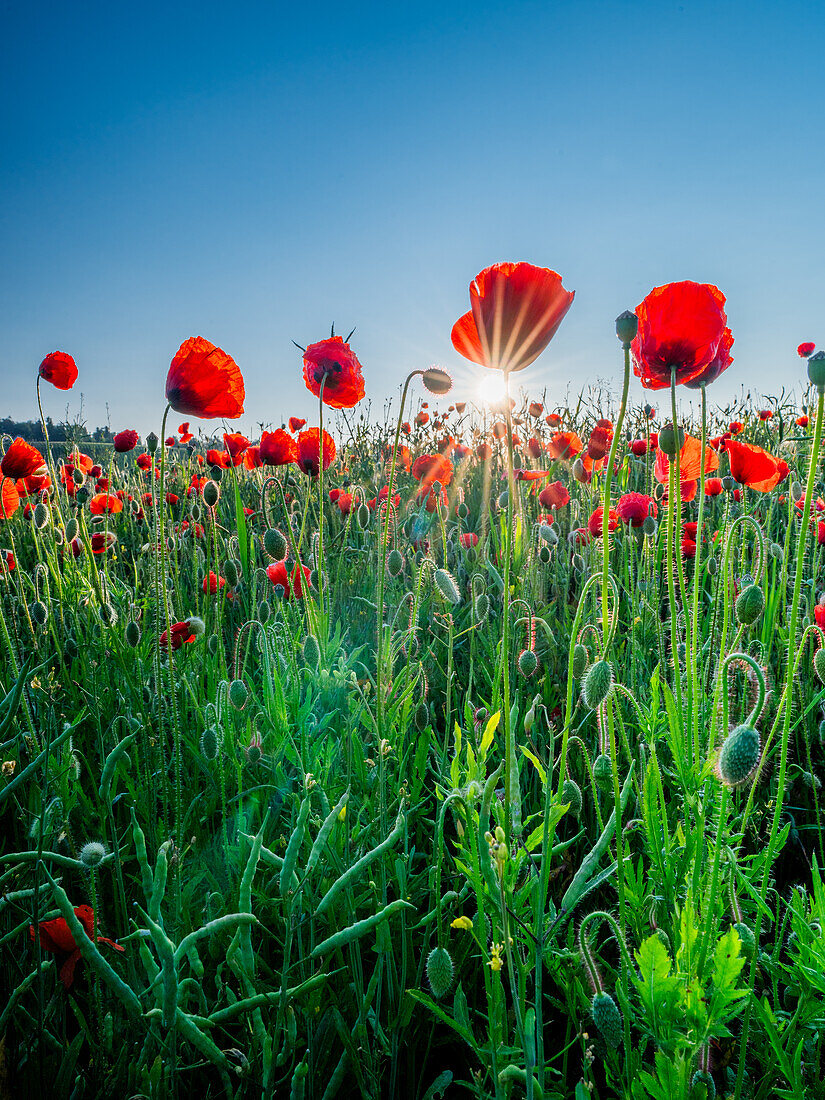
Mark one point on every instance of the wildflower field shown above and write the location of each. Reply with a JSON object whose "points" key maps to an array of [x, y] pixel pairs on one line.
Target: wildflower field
{"points": [[475, 753]]}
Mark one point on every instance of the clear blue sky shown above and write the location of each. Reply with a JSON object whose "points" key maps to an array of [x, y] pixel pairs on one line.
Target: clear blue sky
{"points": [[251, 172]]}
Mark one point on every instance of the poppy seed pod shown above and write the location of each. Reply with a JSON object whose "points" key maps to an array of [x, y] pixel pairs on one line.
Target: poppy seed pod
{"points": [[437, 381], [750, 605], [607, 1018], [216, 473], [649, 526], [671, 440], [211, 493], [627, 325], [739, 756], [598, 684], [728, 484], [816, 369], [151, 443], [440, 972]]}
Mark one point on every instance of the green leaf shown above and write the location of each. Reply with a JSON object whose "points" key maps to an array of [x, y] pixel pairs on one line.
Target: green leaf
{"points": [[727, 966], [659, 990]]}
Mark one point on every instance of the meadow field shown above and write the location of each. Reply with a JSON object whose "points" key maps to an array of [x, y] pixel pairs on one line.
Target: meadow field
{"points": [[477, 753]]}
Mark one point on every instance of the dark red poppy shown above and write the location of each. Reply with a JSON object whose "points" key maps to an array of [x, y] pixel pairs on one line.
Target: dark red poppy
{"points": [[638, 447], [819, 616], [222, 459], [553, 419], [427, 469], [204, 381], [720, 363], [806, 350], [21, 460], [335, 364], [102, 540], [735, 427], [144, 461], [752, 466], [7, 562], [594, 524], [125, 441], [235, 443], [296, 423], [56, 937], [516, 311], [182, 634], [688, 548], [599, 442], [60, 369], [802, 422], [308, 451], [554, 495], [212, 583], [422, 419], [171, 441], [104, 503], [291, 585], [765, 414], [680, 328], [470, 538], [344, 502], [634, 508], [535, 408], [484, 452], [252, 457], [278, 448]]}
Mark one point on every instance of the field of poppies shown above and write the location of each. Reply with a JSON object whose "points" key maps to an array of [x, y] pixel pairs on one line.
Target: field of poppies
{"points": [[476, 753]]}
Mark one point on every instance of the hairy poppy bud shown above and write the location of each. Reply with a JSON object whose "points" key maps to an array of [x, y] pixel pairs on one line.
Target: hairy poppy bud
{"points": [[209, 744], [363, 516], [607, 1018], [312, 651], [151, 443], [528, 663], [39, 612], [819, 665], [132, 634], [232, 572], [41, 516], [437, 381], [264, 611], [580, 659], [702, 1077], [750, 605], [649, 526], [92, 854], [447, 586], [571, 793], [211, 493], [422, 716], [544, 555], [238, 694], [603, 773], [216, 473], [712, 567], [627, 325], [462, 511], [503, 497], [395, 562], [598, 684], [440, 972], [739, 756], [481, 607], [275, 544]]}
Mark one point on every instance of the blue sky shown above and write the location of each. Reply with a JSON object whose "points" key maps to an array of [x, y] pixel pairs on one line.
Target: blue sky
{"points": [[252, 172]]}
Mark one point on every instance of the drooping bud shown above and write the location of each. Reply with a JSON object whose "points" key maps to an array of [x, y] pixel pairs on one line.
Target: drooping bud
{"points": [[447, 586], [598, 684], [238, 694], [275, 544], [312, 651], [528, 663], [607, 1018], [209, 744], [132, 634], [580, 659], [603, 773], [750, 605], [738, 756], [571, 793], [395, 562], [41, 516]]}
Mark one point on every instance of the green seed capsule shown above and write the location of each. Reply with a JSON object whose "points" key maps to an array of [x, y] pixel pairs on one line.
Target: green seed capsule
{"points": [[211, 492], [671, 440]]}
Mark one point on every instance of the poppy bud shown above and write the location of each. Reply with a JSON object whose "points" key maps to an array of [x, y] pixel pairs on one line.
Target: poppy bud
{"points": [[264, 611], [151, 443], [502, 499], [440, 972], [739, 756], [92, 854], [649, 526], [462, 511], [78, 477], [578, 563], [447, 586], [712, 567], [481, 607], [39, 612], [422, 716], [363, 516], [607, 1018], [275, 544], [108, 615], [238, 694], [797, 490], [603, 773], [572, 795], [544, 555], [819, 665], [312, 651], [211, 493], [627, 325], [395, 562], [816, 370], [41, 516], [437, 381], [195, 512], [209, 744], [579, 661], [314, 579], [82, 495], [212, 645], [598, 684], [750, 605], [132, 634], [728, 484], [528, 663], [216, 473], [232, 572], [668, 437]]}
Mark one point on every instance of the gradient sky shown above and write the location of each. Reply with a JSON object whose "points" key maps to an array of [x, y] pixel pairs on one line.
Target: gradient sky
{"points": [[252, 172]]}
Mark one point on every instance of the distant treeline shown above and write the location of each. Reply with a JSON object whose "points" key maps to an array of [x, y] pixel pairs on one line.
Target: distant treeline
{"points": [[62, 432]]}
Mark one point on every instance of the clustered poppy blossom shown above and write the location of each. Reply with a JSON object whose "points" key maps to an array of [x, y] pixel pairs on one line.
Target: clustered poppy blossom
{"points": [[333, 364], [277, 448], [516, 309], [681, 327], [21, 460], [56, 937], [204, 381], [125, 441], [60, 369], [309, 451], [427, 469]]}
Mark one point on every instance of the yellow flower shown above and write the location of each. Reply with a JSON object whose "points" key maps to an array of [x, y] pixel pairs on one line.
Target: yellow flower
{"points": [[496, 962], [464, 923]]}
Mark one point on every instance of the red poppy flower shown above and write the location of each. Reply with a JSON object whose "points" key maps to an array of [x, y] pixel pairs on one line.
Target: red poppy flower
{"points": [[235, 443], [252, 457], [7, 562], [735, 427], [192, 530], [296, 423], [820, 532], [125, 441], [34, 484], [594, 524], [383, 495], [680, 328], [9, 498], [336, 365], [291, 585], [432, 499], [278, 448], [21, 460], [204, 381], [182, 634], [422, 419], [553, 419], [404, 456], [581, 536], [516, 311], [144, 461], [170, 441], [470, 538], [819, 616], [690, 463], [344, 502], [427, 469], [534, 448], [713, 487], [185, 434], [688, 547], [554, 495], [599, 442], [752, 466], [212, 583], [172, 499], [102, 541], [802, 422], [634, 508], [806, 350], [103, 503], [765, 414], [60, 369], [56, 937], [334, 494], [308, 451], [638, 447], [222, 459], [484, 452], [564, 445], [720, 363]]}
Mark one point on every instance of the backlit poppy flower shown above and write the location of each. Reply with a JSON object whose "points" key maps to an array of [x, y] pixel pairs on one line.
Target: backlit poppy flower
{"points": [[102, 541], [204, 381], [819, 616], [212, 583], [564, 445], [638, 447], [688, 548], [720, 363], [806, 350], [344, 502], [580, 536], [516, 310], [291, 585], [404, 456], [765, 414], [470, 538], [222, 459], [422, 419], [170, 441], [172, 499], [529, 475], [183, 431], [60, 369], [9, 498], [21, 460], [534, 448], [277, 448], [103, 503], [690, 462], [680, 328], [182, 634], [334, 494], [7, 562], [484, 452], [634, 508], [252, 457], [535, 408], [235, 443], [553, 419], [56, 937], [33, 484], [296, 423], [144, 461], [802, 422], [427, 469], [125, 441], [554, 495], [599, 442], [432, 499], [308, 451], [713, 486], [752, 466], [382, 496], [594, 524], [335, 364], [735, 427], [820, 532]]}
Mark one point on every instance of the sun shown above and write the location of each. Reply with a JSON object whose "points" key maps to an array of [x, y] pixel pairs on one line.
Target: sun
{"points": [[491, 389]]}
